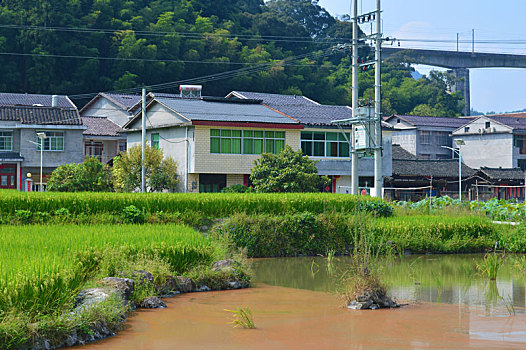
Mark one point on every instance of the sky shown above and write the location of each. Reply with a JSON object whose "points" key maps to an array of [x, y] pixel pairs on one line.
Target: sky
{"points": [[492, 89]]}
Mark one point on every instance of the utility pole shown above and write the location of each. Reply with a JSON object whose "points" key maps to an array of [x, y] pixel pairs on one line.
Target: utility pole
{"points": [[378, 168], [472, 41], [457, 42], [355, 91], [143, 142]]}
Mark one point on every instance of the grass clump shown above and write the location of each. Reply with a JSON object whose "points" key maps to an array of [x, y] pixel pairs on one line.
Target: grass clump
{"points": [[242, 318], [491, 264]]}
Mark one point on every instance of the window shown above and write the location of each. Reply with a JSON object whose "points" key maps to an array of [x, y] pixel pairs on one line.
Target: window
{"points": [[122, 146], [325, 144], [520, 142], [154, 138], [93, 149], [466, 129], [211, 182], [6, 141], [425, 156], [488, 124], [246, 141], [54, 141], [442, 156], [425, 137], [442, 138], [522, 164]]}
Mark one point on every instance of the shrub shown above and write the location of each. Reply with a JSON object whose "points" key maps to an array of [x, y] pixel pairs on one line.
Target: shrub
{"points": [[133, 215], [237, 189]]}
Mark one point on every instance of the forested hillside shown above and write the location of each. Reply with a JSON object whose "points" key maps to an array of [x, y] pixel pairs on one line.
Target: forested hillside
{"points": [[85, 46]]}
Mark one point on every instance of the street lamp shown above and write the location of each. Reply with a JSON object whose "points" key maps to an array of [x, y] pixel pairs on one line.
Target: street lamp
{"points": [[41, 136], [458, 142]]}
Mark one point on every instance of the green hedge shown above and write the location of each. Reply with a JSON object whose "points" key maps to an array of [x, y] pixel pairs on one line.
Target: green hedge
{"points": [[310, 234]]}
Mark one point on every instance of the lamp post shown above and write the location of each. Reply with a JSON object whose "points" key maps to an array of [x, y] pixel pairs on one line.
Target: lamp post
{"points": [[458, 142], [41, 136]]}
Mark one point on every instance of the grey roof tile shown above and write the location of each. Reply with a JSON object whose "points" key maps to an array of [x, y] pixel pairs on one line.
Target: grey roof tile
{"points": [[435, 168], [275, 99], [514, 122], [101, 126], [41, 115], [447, 122], [504, 173], [12, 99], [400, 153], [196, 109]]}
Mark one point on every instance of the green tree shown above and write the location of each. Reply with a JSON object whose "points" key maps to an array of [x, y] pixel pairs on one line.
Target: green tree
{"points": [[91, 175], [160, 172], [288, 171]]}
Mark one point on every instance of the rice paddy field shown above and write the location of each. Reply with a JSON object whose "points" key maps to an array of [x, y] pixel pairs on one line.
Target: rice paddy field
{"points": [[213, 204], [43, 266]]}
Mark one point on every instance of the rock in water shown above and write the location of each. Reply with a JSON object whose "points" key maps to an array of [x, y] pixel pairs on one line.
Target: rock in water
{"points": [[372, 301], [152, 303], [225, 265]]}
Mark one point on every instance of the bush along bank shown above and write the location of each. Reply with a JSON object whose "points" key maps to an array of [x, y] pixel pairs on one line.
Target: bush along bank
{"points": [[66, 285], [310, 234]]}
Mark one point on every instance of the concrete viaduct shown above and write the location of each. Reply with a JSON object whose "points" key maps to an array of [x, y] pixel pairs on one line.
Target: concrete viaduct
{"points": [[458, 64]]}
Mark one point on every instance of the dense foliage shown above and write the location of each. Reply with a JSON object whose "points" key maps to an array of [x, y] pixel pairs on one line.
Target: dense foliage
{"points": [[160, 172], [308, 234], [91, 175], [287, 171], [119, 44], [218, 205]]}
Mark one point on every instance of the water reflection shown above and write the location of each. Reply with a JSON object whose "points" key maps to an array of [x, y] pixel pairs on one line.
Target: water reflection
{"points": [[452, 279]]}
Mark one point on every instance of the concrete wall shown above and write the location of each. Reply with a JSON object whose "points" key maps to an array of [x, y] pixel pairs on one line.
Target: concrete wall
{"points": [[489, 150], [105, 108], [73, 148], [172, 142], [407, 139]]}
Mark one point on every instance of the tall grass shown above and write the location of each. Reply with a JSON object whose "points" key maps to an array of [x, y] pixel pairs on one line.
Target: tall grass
{"points": [[213, 204], [41, 267]]}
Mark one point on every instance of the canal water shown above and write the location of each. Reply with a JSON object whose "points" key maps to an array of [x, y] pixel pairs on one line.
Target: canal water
{"points": [[295, 304]]}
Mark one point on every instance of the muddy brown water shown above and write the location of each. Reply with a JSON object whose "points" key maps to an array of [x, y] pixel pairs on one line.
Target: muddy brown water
{"points": [[295, 307]]}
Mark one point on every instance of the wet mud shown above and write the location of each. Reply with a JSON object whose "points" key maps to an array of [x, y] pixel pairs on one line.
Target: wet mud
{"points": [[288, 318]]}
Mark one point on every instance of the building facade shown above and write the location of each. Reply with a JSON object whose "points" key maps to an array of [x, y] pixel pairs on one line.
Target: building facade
{"points": [[22, 118], [494, 141], [425, 137]]}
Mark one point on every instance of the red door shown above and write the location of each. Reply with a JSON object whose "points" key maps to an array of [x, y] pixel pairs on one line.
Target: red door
{"points": [[8, 176]]}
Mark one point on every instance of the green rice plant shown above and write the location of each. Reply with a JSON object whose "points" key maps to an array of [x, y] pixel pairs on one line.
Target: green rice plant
{"points": [[490, 265], [242, 318], [43, 267], [214, 204]]}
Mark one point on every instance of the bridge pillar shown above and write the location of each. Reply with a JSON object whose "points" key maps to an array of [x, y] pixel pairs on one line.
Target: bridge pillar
{"points": [[461, 84]]}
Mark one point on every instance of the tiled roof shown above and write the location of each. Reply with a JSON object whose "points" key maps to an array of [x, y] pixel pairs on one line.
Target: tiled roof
{"points": [[435, 168], [301, 108], [196, 109], [126, 101], [514, 122], [274, 99], [10, 99], [100, 126], [41, 115], [446, 122], [400, 153], [504, 173]]}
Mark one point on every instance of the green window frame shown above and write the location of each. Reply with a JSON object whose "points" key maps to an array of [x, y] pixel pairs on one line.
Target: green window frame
{"points": [[54, 141], [325, 144], [154, 138], [227, 141], [6, 140]]}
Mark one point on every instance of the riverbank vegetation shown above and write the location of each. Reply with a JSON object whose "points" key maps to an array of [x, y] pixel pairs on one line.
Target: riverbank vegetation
{"points": [[43, 268]]}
